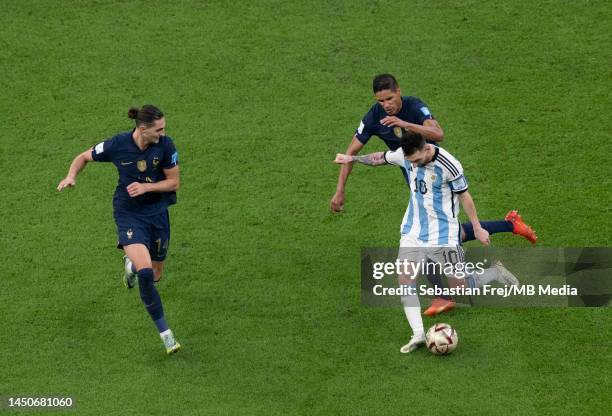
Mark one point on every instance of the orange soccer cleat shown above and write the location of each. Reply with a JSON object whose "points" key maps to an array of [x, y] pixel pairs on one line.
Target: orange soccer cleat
{"points": [[520, 228], [439, 305]]}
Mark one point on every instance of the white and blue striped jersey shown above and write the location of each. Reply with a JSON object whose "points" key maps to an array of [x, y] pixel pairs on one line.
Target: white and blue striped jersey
{"points": [[433, 208]]}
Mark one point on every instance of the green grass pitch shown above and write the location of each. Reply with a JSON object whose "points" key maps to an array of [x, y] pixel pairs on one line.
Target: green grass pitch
{"points": [[262, 281]]}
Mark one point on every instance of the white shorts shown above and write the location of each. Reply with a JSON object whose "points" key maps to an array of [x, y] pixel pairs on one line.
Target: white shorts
{"points": [[415, 251]]}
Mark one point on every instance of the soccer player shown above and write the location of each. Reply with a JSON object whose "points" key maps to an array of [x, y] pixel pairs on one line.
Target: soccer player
{"points": [[411, 113], [430, 227], [147, 162]]}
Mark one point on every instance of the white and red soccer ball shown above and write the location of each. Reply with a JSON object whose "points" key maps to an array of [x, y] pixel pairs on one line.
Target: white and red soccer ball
{"points": [[441, 339]]}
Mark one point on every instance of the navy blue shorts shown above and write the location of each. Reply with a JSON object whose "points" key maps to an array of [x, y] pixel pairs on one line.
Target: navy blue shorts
{"points": [[151, 230]]}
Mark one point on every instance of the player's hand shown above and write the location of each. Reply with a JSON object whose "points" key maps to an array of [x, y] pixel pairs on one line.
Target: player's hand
{"points": [[65, 183], [482, 235], [337, 202], [343, 159], [136, 189], [392, 121]]}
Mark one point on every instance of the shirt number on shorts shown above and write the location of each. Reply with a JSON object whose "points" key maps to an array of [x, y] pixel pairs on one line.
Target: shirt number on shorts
{"points": [[451, 256], [160, 246]]}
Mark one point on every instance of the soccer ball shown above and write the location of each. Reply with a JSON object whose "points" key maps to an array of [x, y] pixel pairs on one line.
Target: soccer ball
{"points": [[441, 339]]}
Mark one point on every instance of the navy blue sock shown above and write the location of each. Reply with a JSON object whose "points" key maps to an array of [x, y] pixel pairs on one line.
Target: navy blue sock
{"points": [[161, 324], [150, 298], [493, 227], [436, 280]]}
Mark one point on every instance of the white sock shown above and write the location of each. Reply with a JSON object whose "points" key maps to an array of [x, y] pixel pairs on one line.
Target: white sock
{"points": [[166, 332], [412, 309]]}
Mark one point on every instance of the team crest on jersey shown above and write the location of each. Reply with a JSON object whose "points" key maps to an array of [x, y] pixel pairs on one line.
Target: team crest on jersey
{"points": [[129, 233], [433, 177], [141, 165]]}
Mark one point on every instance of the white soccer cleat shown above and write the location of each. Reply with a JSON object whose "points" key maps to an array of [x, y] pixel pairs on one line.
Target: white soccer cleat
{"points": [[505, 277], [170, 342], [129, 277], [417, 341]]}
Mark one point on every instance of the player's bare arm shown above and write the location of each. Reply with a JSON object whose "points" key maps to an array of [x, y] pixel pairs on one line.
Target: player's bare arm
{"points": [[467, 203], [170, 184], [430, 129], [76, 166], [373, 159], [337, 200]]}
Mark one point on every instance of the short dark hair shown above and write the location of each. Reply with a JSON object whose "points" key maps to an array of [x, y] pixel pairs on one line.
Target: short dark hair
{"points": [[409, 140], [384, 82], [147, 114]]}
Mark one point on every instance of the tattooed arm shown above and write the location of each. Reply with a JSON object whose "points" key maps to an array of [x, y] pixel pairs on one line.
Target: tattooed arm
{"points": [[373, 159]]}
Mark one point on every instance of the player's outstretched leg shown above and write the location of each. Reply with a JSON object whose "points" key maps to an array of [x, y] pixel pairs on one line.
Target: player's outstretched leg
{"points": [[512, 223]]}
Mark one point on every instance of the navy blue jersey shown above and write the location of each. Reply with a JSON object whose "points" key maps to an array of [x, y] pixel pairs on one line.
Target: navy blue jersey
{"points": [[413, 111], [135, 165]]}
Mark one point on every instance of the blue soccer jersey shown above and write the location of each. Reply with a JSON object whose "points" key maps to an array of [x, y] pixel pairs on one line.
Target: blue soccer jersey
{"points": [[413, 111], [433, 208], [135, 165]]}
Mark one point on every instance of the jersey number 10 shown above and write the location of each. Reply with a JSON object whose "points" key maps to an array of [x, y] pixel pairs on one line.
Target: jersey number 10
{"points": [[420, 186]]}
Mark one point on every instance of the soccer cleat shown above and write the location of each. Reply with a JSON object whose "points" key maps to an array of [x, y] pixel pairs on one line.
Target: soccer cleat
{"points": [[506, 277], [170, 342], [417, 341], [129, 277], [439, 305], [520, 228]]}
